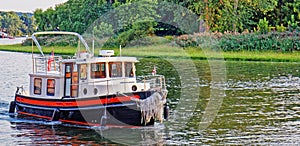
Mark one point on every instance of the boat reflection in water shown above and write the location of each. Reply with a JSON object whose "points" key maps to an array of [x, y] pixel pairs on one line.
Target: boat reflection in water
{"points": [[29, 132]]}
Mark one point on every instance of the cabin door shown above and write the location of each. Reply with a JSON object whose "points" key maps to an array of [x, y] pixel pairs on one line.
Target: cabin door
{"points": [[71, 80]]}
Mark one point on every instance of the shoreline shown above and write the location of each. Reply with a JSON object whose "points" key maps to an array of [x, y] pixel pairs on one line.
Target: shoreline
{"points": [[167, 51]]}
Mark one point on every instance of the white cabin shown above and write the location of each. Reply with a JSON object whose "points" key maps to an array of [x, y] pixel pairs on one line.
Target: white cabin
{"points": [[85, 76]]}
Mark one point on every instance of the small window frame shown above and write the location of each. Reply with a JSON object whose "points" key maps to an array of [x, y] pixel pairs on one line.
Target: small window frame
{"points": [[37, 86], [83, 71], [50, 87], [129, 69], [98, 70], [115, 70]]}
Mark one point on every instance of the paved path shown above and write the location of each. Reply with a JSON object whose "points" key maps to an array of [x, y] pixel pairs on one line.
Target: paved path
{"points": [[7, 41]]}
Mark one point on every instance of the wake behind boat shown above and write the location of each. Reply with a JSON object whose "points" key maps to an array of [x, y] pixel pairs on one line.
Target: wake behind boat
{"points": [[89, 90]]}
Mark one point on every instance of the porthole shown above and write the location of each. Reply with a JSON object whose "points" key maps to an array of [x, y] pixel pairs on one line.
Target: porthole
{"points": [[134, 88], [95, 91], [84, 91]]}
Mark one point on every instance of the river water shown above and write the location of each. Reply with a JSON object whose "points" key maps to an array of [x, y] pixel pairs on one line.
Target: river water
{"points": [[211, 102]]}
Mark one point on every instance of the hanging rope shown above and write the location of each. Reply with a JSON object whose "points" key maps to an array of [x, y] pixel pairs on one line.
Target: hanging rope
{"points": [[152, 107]]}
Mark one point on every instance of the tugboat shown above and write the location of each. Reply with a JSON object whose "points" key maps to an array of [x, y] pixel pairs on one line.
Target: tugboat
{"points": [[90, 90]]}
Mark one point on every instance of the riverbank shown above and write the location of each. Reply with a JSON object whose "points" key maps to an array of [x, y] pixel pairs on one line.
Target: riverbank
{"points": [[47, 50], [168, 51]]}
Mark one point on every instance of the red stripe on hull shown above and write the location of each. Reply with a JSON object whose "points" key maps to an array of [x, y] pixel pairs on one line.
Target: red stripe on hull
{"points": [[74, 103]]}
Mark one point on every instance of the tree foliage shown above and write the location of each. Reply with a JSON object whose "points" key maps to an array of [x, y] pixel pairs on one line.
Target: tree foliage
{"points": [[16, 25], [74, 15], [240, 15], [217, 15]]}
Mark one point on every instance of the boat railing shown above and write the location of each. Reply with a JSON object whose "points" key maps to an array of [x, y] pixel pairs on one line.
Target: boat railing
{"points": [[80, 39], [47, 64], [157, 82]]}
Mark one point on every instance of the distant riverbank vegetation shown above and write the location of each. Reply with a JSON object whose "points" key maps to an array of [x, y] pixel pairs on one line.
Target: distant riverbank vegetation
{"points": [[228, 25], [17, 24], [272, 41], [168, 51]]}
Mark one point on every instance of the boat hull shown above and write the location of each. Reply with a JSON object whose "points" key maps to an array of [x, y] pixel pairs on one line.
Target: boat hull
{"points": [[110, 110]]}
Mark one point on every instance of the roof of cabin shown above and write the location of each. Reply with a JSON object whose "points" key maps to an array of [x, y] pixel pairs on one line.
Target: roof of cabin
{"points": [[102, 59]]}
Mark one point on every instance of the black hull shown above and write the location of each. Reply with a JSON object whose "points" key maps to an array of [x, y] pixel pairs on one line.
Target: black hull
{"points": [[125, 113]]}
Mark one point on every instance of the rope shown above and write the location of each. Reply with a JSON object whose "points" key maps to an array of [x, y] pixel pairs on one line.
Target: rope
{"points": [[152, 107]]}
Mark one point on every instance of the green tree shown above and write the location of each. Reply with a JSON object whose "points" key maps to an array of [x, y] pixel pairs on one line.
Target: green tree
{"points": [[131, 21], [39, 16], [218, 15], [12, 23], [291, 11], [74, 15], [103, 30], [29, 24], [282, 12]]}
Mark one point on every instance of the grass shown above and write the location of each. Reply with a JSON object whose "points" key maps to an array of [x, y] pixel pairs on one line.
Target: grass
{"points": [[263, 56], [168, 51], [47, 50]]}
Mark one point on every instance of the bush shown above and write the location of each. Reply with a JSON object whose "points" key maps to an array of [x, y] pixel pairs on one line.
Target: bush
{"points": [[263, 25], [139, 30], [186, 41], [168, 37], [53, 41], [197, 39], [275, 41], [281, 28]]}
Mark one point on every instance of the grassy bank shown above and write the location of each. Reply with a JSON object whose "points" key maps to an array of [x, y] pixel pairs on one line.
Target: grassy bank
{"points": [[167, 51], [28, 49]]}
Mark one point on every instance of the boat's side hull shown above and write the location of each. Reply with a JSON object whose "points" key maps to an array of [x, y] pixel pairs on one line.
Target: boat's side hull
{"points": [[94, 111]]}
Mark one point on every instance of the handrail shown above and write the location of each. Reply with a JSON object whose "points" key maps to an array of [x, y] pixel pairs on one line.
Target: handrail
{"points": [[61, 33], [41, 64], [154, 80]]}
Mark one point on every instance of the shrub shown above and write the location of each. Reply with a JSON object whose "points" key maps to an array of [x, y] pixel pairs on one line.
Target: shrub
{"points": [[281, 28], [168, 37], [139, 30], [263, 25], [293, 23], [53, 41], [275, 41]]}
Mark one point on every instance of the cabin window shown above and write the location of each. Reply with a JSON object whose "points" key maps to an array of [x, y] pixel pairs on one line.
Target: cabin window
{"points": [[68, 71], [50, 87], [115, 69], [74, 85], [37, 87], [128, 69], [98, 70], [83, 71]]}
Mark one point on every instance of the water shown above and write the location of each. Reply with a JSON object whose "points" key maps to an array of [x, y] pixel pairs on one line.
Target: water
{"points": [[7, 41], [256, 103]]}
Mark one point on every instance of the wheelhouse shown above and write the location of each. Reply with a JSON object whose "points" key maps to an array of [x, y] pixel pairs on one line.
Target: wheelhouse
{"points": [[84, 77]]}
